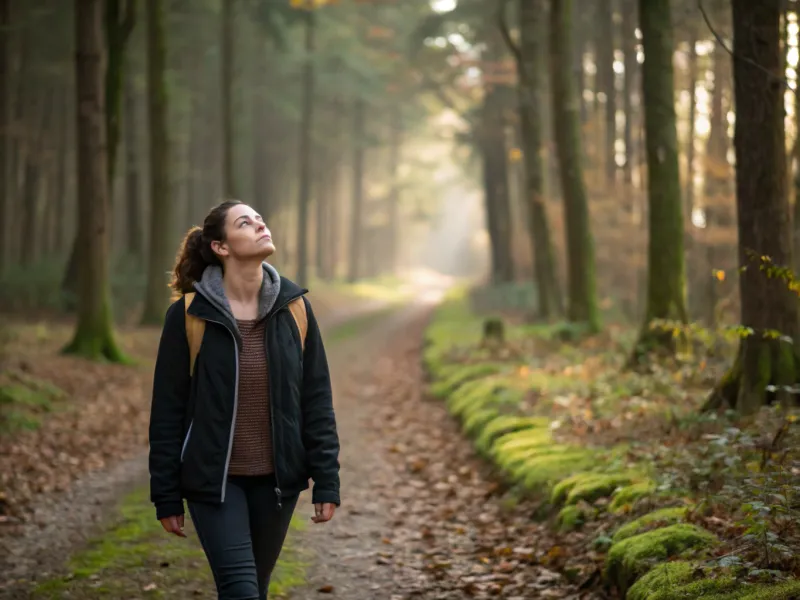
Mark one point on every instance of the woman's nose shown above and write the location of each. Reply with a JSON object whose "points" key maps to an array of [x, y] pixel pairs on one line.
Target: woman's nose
{"points": [[260, 227]]}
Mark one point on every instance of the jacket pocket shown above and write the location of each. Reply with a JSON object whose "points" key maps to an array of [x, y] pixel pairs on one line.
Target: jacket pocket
{"points": [[186, 439]]}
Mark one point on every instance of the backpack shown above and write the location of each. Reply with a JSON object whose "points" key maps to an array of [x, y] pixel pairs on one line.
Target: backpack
{"points": [[195, 327]]}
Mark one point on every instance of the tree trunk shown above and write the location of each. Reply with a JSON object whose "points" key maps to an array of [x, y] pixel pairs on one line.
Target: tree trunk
{"points": [[531, 65], [305, 155], [717, 175], [119, 24], [766, 363], [395, 148], [582, 302], [579, 42], [631, 65], [94, 337], [157, 295], [495, 185], [356, 230], [134, 225], [666, 279], [690, 154], [605, 66], [230, 189], [5, 200], [59, 194]]}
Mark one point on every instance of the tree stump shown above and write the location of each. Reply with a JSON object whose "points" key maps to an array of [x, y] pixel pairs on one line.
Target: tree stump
{"points": [[494, 333]]}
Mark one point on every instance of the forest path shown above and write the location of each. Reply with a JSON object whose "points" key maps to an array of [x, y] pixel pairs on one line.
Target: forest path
{"points": [[422, 516]]}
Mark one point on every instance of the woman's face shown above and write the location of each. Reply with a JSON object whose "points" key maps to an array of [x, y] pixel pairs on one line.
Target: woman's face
{"points": [[246, 236]]}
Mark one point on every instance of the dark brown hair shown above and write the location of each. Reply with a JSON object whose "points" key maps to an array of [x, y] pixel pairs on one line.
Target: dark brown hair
{"points": [[195, 252]]}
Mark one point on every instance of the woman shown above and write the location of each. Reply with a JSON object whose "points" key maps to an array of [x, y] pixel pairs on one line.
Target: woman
{"points": [[240, 436]]}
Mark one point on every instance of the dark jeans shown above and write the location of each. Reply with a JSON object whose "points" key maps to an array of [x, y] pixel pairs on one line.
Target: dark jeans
{"points": [[243, 536]]}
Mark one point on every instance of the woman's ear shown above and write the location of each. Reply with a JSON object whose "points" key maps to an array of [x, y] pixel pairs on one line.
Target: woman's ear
{"points": [[219, 248]]}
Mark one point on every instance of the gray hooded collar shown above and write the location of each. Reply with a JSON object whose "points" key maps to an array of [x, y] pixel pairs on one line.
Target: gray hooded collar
{"points": [[211, 286]]}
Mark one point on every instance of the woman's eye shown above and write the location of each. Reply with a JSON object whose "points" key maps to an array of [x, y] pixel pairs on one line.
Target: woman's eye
{"points": [[242, 224]]}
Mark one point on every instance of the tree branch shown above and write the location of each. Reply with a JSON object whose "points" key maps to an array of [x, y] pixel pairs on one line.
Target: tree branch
{"points": [[722, 43], [501, 23]]}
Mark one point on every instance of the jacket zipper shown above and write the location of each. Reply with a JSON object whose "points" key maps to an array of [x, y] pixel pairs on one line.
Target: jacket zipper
{"points": [[278, 492], [235, 408], [186, 439]]}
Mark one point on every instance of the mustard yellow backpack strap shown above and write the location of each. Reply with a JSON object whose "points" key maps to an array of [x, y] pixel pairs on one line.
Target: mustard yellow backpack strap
{"points": [[298, 308], [194, 331]]}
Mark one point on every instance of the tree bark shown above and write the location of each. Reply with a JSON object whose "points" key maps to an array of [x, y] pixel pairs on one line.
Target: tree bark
{"points": [[135, 239], [305, 155], [5, 200], [94, 337], [605, 66], [690, 153], [119, 24], [631, 65], [666, 277], [230, 189], [767, 362], [531, 67], [157, 295], [717, 175], [356, 229], [495, 185], [582, 301]]}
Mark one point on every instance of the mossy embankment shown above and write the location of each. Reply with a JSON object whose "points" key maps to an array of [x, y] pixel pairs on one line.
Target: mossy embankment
{"points": [[560, 420]]}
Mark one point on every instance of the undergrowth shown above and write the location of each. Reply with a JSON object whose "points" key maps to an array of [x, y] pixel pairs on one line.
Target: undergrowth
{"points": [[625, 457]]}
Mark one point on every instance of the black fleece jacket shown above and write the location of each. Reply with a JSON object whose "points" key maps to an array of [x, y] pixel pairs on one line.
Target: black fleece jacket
{"points": [[191, 420]]}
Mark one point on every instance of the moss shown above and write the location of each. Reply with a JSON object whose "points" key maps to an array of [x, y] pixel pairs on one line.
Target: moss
{"points": [[477, 392], [657, 518], [136, 552], [594, 488], [680, 580], [502, 425], [24, 401], [632, 557], [571, 518], [461, 374], [477, 419], [546, 470], [587, 487], [626, 496]]}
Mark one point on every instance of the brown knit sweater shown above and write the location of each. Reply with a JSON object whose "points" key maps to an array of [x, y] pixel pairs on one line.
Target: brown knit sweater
{"points": [[252, 438]]}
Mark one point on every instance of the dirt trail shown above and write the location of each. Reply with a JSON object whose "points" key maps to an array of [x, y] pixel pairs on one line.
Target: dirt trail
{"points": [[422, 516], [63, 521]]}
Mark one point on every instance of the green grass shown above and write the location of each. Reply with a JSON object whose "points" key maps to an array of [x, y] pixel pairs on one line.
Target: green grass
{"points": [[24, 401], [135, 558]]}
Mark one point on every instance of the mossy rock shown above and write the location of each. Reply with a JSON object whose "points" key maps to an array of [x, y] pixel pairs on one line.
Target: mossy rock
{"points": [[628, 495], [680, 580], [543, 471], [474, 393], [658, 518], [633, 557], [501, 426], [571, 518], [461, 374], [476, 420], [592, 489]]}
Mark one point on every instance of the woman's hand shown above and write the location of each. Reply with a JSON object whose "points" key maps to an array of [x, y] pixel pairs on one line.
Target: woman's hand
{"points": [[173, 525], [323, 512]]}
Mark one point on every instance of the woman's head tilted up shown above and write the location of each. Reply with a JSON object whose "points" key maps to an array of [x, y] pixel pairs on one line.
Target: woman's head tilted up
{"points": [[232, 232]]}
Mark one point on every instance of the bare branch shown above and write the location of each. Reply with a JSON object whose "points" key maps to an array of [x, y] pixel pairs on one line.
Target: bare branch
{"points": [[501, 23]]}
